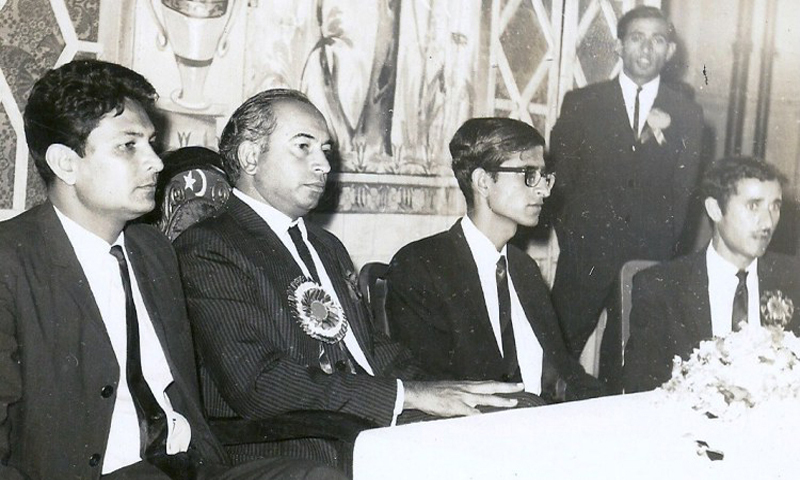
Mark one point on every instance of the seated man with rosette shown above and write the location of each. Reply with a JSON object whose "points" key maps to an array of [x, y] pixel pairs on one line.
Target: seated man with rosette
{"points": [[708, 294], [468, 304], [277, 317]]}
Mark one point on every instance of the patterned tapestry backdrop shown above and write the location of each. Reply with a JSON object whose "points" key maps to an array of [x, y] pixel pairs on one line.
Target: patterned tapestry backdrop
{"points": [[35, 35], [395, 78]]}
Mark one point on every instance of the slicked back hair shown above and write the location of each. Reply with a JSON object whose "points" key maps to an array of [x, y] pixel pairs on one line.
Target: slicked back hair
{"points": [[253, 121], [643, 12], [66, 104], [487, 143]]}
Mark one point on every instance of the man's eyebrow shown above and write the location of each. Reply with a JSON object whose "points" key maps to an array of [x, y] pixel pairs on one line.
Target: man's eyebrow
{"points": [[137, 133], [309, 136]]}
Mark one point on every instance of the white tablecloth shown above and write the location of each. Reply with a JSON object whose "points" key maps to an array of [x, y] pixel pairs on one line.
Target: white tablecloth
{"points": [[621, 437]]}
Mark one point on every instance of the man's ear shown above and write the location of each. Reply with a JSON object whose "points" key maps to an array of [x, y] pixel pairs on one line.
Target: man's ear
{"points": [[248, 153], [480, 182], [618, 47], [671, 49], [713, 209], [62, 160]]}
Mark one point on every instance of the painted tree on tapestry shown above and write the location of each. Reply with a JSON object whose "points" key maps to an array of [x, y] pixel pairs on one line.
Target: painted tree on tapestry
{"points": [[370, 135]]}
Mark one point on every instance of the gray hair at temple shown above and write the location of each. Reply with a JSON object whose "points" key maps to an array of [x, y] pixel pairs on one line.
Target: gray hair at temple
{"points": [[253, 121], [487, 143], [721, 180], [643, 12]]}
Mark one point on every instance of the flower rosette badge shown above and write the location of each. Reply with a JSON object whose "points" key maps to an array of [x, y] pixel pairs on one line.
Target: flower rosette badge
{"points": [[776, 308], [316, 312], [658, 120]]}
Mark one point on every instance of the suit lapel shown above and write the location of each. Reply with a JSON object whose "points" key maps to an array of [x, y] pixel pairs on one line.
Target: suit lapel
{"points": [[343, 281], [272, 260], [67, 270], [475, 318], [617, 112], [695, 309], [263, 244]]}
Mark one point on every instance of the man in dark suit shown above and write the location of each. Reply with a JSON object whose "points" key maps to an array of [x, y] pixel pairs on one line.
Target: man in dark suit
{"points": [[627, 155], [709, 293], [275, 308], [449, 298], [96, 361]]}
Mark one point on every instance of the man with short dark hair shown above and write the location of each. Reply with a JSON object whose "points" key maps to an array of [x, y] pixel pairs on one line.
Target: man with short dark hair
{"points": [[709, 293], [627, 155], [277, 316], [96, 358], [465, 302]]}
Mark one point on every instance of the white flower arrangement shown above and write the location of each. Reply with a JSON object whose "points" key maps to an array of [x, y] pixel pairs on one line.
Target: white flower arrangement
{"points": [[726, 377]]}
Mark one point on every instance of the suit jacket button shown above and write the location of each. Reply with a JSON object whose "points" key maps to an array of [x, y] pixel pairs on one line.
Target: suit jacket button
{"points": [[505, 377], [94, 460], [341, 365], [107, 391]]}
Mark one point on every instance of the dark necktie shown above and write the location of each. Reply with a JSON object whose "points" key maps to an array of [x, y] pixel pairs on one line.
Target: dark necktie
{"points": [[152, 420], [328, 359], [302, 249], [636, 114], [510, 363], [739, 301]]}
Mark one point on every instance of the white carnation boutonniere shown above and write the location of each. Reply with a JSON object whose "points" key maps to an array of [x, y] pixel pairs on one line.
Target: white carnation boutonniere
{"points": [[315, 311], [658, 120], [776, 308]]}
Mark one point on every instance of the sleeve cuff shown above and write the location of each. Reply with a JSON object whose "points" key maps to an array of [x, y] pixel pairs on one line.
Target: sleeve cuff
{"points": [[398, 403]]}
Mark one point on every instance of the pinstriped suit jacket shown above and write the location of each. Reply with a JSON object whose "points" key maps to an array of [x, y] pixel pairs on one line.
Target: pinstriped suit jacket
{"points": [[255, 360]]}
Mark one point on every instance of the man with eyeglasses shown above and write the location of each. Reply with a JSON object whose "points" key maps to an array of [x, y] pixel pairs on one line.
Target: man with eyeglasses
{"points": [[465, 302]]}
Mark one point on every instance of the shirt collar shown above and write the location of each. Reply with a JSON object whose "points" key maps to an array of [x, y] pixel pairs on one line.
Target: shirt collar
{"points": [[716, 263], [483, 250], [277, 220], [629, 86], [85, 243]]}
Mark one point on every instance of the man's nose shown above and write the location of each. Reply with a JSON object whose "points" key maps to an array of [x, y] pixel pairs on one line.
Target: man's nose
{"points": [[153, 161], [320, 162], [543, 190], [769, 219]]}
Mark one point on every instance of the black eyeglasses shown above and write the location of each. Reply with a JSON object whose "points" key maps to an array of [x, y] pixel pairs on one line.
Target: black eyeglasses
{"points": [[533, 175]]}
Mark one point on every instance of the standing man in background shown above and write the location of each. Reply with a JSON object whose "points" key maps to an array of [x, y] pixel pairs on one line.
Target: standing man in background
{"points": [[627, 156]]}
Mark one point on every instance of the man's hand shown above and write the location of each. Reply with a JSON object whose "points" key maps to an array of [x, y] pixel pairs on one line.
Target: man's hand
{"points": [[450, 399]]}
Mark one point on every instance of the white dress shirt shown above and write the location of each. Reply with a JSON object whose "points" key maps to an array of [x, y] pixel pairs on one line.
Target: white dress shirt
{"points": [[646, 98], [103, 274], [722, 282], [280, 224], [529, 350]]}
